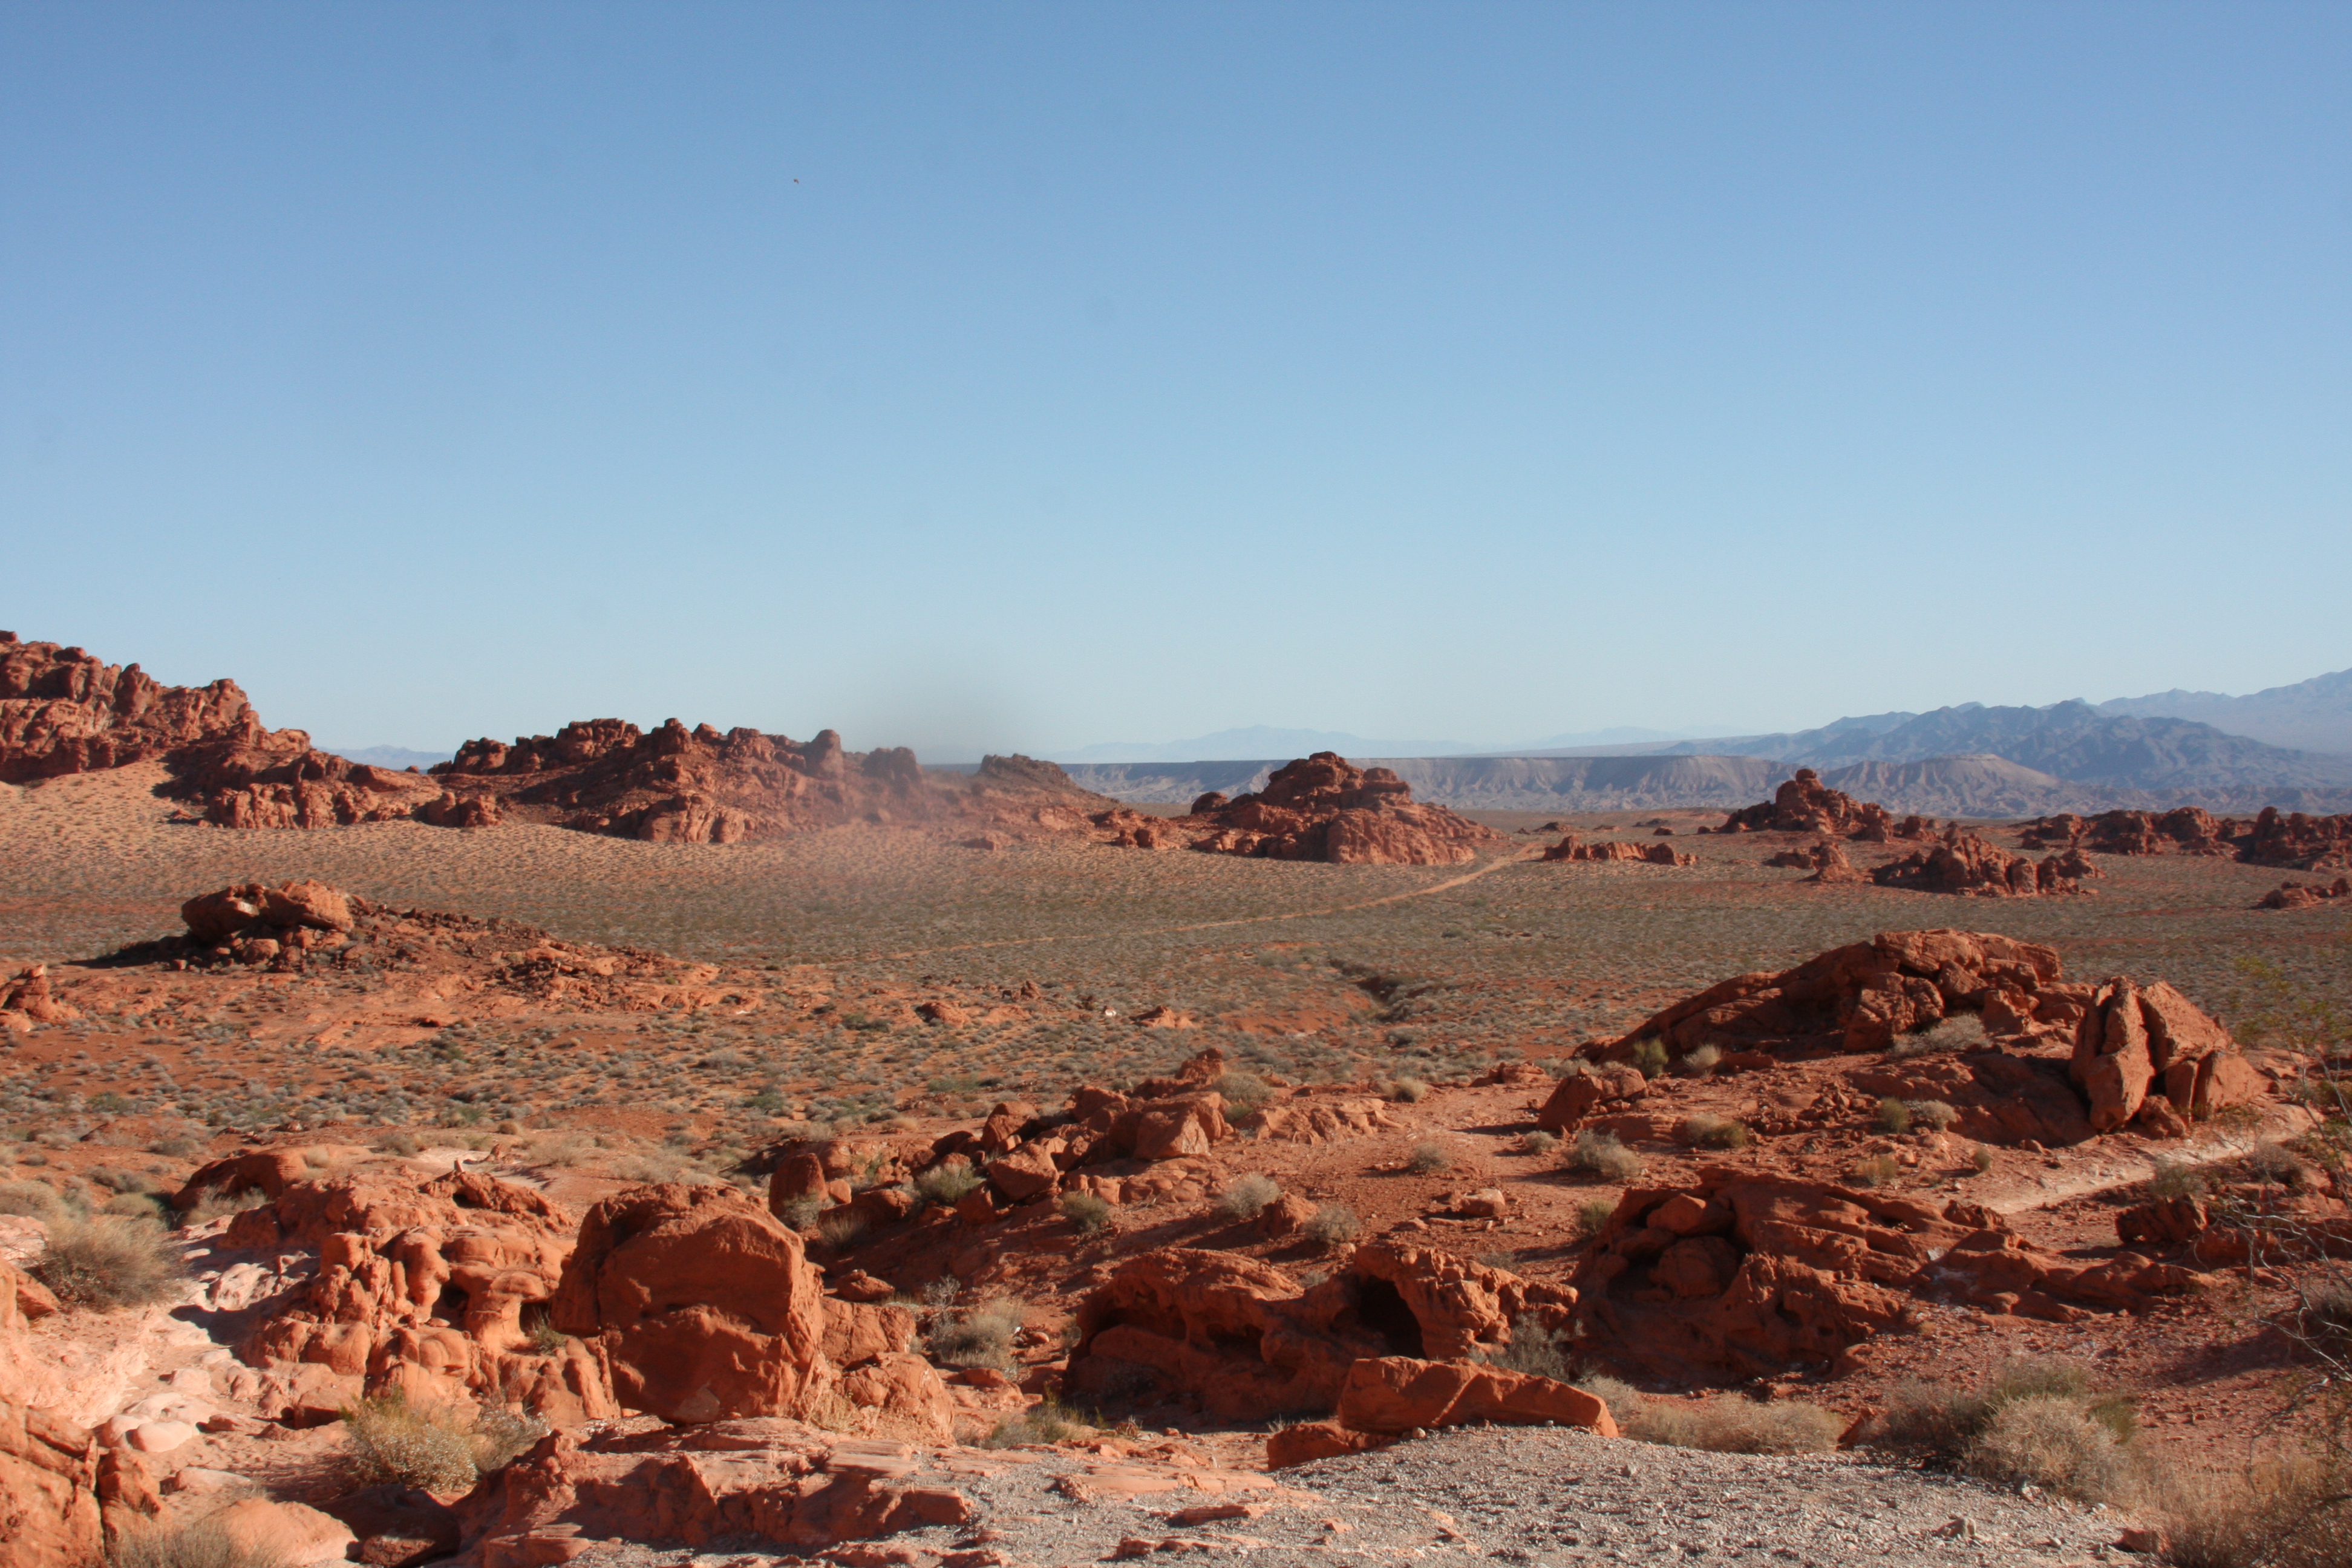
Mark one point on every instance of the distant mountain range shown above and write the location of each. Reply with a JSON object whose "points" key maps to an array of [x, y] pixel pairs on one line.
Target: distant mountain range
{"points": [[1263, 740], [1968, 761]]}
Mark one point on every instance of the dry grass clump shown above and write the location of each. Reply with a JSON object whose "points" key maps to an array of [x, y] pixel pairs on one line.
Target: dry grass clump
{"points": [[2033, 1423], [979, 1336], [1410, 1091], [947, 1183], [440, 1448], [1334, 1224], [1895, 1115], [203, 1544], [212, 1203], [1878, 1171], [1935, 1115], [841, 1230], [1591, 1215], [32, 1200], [1539, 1142], [109, 1262], [399, 1141], [1534, 1349], [1243, 1091], [1248, 1196], [1601, 1154], [1087, 1211], [1045, 1421], [1427, 1158], [1728, 1425], [1706, 1131], [1953, 1032], [1701, 1062], [2297, 1514]]}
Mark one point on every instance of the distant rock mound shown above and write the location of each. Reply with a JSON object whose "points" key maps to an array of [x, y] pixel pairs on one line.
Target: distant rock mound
{"points": [[1323, 807], [1574, 848], [1965, 865], [2305, 895], [63, 710], [1826, 860], [1805, 804], [2298, 842], [2291, 840]]}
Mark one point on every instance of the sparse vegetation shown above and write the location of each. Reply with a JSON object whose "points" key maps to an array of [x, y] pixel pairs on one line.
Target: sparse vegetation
{"points": [[1707, 1131], [1534, 1349], [444, 1447], [1934, 1115], [1877, 1171], [1702, 1062], [1046, 1422], [979, 1336], [1601, 1154], [2033, 1423], [1982, 1160], [1244, 1091], [1410, 1090], [1894, 1116], [841, 1229], [947, 1183], [1591, 1215], [1427, 1159], [1723, 1424], [1539, 1142], [1088, 1211], [1650, 1057], [1953, 1032], [109, 1262], [201, 1545], [1247, 1197], [1334, 1224]]}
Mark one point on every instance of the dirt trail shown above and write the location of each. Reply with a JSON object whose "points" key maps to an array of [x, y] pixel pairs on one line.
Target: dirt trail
{"points": [[1496, 864], [2125, 1167]]}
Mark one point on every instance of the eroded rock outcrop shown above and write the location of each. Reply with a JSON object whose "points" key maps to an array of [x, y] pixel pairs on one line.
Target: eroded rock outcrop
{"points": [[1574, 848], [1861, 998], [2305, 895], [2187, 831], [1805, 804], [2137, 1045], [1242, 1340], [2298, 842], [1324, 807], [63, 710], [1760, 1275], [49, 1466], [1964, 864]]}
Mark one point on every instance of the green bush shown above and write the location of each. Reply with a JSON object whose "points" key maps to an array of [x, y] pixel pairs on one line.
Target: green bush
{"points": [[947, 1183], [1243, 1091], [1650, 1058], [1088, 1211], [1895, 1115]]}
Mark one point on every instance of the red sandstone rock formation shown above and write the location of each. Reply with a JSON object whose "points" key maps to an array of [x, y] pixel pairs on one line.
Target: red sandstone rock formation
{"points": [[1324, 807], [1861, 996], [63, 711], [1385, 1397], [2298, 842], [420, 1291], [1761, 1275], [2305, 895], [49, 1466], [1826, 860], [1964, 864], [2136, 1045], [1805, 804], [2187, 831], [1574, 848], [1245, 1343]]}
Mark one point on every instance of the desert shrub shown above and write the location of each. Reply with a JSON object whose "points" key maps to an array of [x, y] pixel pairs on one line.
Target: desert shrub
{"points": [[1953, 1032], [1734, 1425], [138, 1206], [1591, 1215], [31, 1200], [800, 1212], [980, 1335], [1878, 1171], [1047, 1422], [1982, 1160], [1243, 1091], [178, 1146], [1933, 1115], [2034, 1422], [1605, 1156], [1334, 1224], [399, 1141], [1895, 1115], [1702, 1062], [2175, 1179], [1427, 1158], [841, 1230], [212, 1203], [1539, 1142], [1246, 1198], [109, 1262], [203, 1544], [1410, 1091], [1650, 1058], [947, 1183], [1533, 1349], [1707, 1131], [2048, 1440], [2272, 1162], [1088, 1211], [2297, 1514], [441, 1447]]}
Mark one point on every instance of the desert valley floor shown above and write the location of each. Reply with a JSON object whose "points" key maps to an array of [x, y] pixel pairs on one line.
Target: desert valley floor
{"points": [[689, 1010]]}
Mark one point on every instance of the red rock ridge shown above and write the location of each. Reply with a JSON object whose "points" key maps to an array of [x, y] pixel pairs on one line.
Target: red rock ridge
{"points": [[1805, 804]]}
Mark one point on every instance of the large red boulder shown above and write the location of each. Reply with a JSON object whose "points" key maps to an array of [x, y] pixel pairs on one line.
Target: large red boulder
{"points": [[702, 1306], [1964, 864], [2137, 1042], [1398, 1394]]}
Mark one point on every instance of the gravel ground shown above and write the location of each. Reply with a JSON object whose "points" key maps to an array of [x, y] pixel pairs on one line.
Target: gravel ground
{"points": [[1509, 1495]]}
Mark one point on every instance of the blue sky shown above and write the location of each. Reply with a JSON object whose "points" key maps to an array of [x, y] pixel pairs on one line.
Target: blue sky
{"points": [[1015, 376]]}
